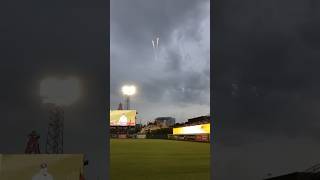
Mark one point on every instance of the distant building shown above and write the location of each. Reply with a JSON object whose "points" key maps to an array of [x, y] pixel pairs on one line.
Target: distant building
{"points": [[150, 127], [159, 123], [165, 121], [199, 120], [194, 121]]}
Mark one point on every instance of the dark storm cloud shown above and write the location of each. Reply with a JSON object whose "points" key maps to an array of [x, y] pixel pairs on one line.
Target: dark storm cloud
{"points": [[139, 19], [179, 75], [173, 61], [271, 61], [266, 81], [54, 39], [185, 89]]}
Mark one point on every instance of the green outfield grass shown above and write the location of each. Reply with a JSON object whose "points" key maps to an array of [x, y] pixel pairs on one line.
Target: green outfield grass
{"points": [[149, 159]]}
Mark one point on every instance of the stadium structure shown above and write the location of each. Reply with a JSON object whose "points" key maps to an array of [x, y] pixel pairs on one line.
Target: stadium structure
{"points": [[195, 129], [165, 121], [159, 123]]}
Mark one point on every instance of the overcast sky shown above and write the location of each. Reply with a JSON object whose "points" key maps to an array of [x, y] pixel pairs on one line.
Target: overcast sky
{"points": [[55, 39], [266, 87], [177, 82]]}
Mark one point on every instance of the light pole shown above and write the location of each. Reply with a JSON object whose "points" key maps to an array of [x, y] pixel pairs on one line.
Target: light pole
{"points": [[128, 91]]}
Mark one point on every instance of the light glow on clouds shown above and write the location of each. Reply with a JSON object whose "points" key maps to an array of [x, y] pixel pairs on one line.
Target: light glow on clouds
{"points": [[60, 92], [177, 83]]}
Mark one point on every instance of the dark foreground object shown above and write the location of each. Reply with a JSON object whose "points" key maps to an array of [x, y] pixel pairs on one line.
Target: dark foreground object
{"points": [[297, 176]]}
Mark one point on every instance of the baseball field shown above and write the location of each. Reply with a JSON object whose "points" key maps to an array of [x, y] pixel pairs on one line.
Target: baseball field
{"points": [[153, 159]]}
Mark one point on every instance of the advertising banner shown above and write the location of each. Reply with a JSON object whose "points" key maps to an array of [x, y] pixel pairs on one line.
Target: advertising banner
{"points": [[192, 130], [141, 136], [41, 167], [122, 136], [123, 117], [203, 138]]}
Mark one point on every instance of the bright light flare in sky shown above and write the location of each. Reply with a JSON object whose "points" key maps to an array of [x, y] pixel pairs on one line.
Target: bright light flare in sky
{"points": [[61, 92], [129, 90]]}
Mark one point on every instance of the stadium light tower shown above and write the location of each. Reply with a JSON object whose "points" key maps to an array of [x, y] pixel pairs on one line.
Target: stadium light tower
{"points": [[57, 94], [128, 91]]}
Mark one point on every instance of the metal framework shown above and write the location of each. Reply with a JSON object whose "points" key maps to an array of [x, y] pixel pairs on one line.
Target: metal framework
{"points": [[54, 144]]}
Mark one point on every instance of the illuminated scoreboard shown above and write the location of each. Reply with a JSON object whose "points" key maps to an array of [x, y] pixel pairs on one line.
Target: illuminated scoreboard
{"points": [[123, 117], [192, 130]]}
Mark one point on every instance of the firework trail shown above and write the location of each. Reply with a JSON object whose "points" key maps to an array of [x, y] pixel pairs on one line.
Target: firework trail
{"points": [[155, 47]]}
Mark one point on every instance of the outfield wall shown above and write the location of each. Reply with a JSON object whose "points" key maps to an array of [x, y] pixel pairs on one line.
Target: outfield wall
{"points": [[197, 138], [199, 133]]}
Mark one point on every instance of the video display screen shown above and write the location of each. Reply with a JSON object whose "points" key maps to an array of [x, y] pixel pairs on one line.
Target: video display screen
{"points": [[197, 129], [123, 117]]}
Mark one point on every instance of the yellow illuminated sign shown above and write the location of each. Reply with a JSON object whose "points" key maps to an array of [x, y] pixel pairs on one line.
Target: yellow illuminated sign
{"points": [[41, 167], [123, 117], [197, 129]]}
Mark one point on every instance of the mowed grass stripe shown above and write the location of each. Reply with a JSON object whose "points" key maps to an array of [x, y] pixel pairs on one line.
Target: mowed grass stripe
{"points": [[148, 159]]}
